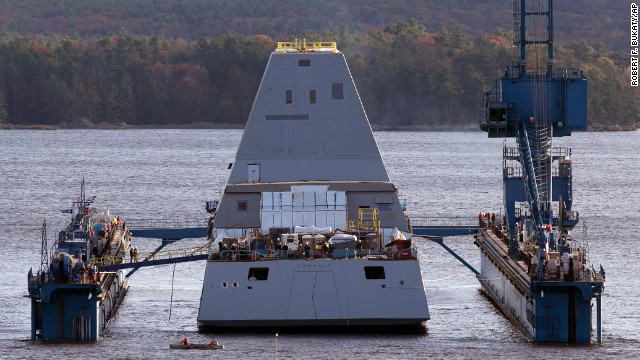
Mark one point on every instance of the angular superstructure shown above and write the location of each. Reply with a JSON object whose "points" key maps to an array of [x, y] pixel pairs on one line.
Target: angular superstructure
{"points": [[309, 230]]}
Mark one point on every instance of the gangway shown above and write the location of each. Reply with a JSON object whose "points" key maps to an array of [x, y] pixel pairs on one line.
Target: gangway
{"points": [[154, 258], [168, 229], [172, 230], [444, 226], [431, 228], [436, 228]]}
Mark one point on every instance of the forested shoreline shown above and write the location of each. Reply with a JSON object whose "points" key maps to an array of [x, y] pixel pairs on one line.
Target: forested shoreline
{"points": [[407, 78]]}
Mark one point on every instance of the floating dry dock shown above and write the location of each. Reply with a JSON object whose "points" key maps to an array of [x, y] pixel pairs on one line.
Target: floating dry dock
{"points": [[70, 299], [532, 266]]}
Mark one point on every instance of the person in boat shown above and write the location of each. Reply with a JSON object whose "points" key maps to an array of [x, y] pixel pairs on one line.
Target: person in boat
{"points": [[185, 341], [213, 342]]}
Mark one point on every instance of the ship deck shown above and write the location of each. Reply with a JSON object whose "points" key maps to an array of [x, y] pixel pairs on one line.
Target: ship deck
{"points": [[494, 244]]}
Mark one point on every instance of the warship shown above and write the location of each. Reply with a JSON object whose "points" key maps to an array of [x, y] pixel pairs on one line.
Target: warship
{"points": [[309, 231]]}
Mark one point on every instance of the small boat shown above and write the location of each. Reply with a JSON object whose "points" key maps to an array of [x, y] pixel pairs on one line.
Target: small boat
{"points": [[209, 346]]}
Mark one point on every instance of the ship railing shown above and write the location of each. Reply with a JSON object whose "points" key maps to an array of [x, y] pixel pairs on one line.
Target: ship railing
{"points": [[568, 74], [515, 172], [166, 223], [83, 276], [444, 220], [511, 152], [306, 46], [268, 254]]}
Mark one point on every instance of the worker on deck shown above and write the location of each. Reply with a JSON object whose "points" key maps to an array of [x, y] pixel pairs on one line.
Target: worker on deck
{"points": [[358, 248], [307, 250]]}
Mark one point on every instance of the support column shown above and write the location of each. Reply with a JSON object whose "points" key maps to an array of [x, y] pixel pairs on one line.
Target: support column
{"points": [[599, 318]]}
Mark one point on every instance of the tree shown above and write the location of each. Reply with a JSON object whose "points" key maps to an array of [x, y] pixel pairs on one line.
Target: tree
{"points": [[3, 104], [60, 103]]}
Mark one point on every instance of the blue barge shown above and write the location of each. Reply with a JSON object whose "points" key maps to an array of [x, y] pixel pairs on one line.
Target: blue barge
{"points": [[533, 267], [70, 299]]}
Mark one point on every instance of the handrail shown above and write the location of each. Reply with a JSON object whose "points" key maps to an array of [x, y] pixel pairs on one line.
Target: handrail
{"points": [[304, 46], [164, 254], [165, 223], [418, 221]]}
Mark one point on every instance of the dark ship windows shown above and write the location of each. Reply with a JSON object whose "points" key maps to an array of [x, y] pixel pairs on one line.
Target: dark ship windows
{"points": [[312, 96], [374, 272], [337, 91], [258, 274], [304, 62], [242, 206], [288, 96]]}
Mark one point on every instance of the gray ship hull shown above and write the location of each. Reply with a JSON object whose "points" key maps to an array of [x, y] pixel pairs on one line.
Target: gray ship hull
{"points": [[303, 293]]}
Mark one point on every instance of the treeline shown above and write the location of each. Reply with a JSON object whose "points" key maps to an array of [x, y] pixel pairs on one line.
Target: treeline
{"points": [[591, 20], [405, 76]]}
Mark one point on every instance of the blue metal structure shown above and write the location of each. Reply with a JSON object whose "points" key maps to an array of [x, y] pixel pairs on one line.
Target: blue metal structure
{"points": [[534, 103], [71, 301]]}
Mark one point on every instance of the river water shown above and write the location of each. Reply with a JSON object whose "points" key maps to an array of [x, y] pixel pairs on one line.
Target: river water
{"points": [[170, 173]]}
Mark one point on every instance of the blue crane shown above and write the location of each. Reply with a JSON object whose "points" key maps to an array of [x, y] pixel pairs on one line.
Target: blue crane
{"points": [[533, 102]]}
